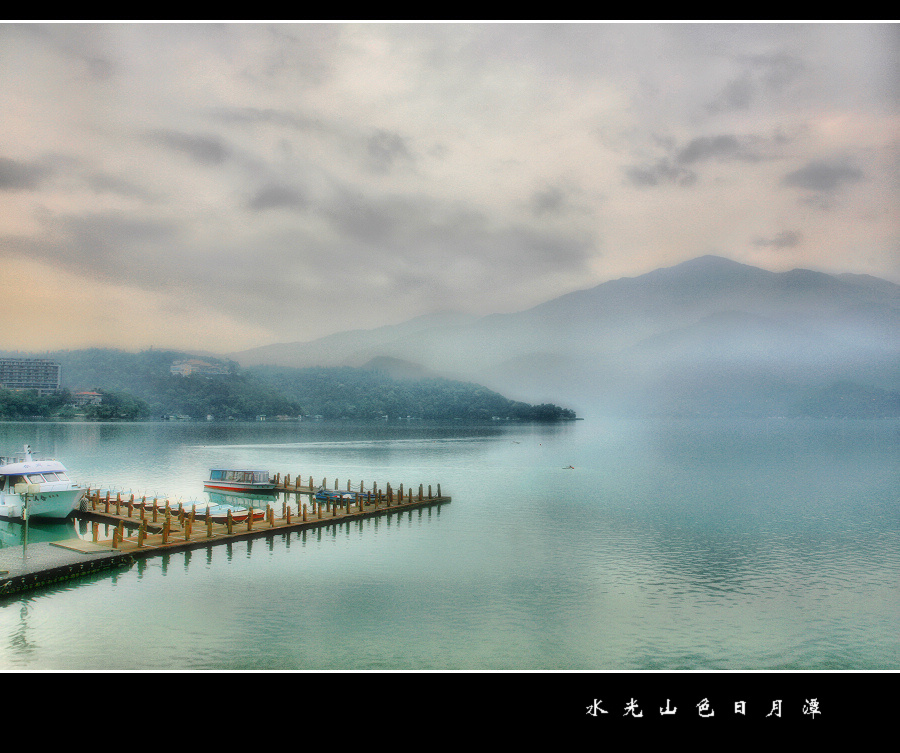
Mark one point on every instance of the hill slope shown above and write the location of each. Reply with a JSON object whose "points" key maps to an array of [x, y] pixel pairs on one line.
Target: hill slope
{"points": [[707, 336]]}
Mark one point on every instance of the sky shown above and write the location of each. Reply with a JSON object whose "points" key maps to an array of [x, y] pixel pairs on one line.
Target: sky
{"points": [[217, 187]]}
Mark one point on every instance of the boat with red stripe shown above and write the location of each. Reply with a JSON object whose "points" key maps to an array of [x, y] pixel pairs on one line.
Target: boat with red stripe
{"points": [[253, 481]]}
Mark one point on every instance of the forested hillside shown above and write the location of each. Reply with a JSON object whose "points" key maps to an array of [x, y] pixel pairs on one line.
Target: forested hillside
{"points": [[141, 385], [345, 392]]}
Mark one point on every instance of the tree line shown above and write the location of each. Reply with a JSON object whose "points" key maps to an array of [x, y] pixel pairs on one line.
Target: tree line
{"points": [[135, 386]]}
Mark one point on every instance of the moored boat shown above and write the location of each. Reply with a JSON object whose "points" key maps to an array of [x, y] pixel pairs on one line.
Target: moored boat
{"points": [[219, 513], [241, 481], [332, 495], [42, 487]]}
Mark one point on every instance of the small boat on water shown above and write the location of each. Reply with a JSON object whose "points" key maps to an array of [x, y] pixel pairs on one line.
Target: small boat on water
{"points": [[219, 513], [332, 495], [240, 504], [41, 486], [240, 481]]}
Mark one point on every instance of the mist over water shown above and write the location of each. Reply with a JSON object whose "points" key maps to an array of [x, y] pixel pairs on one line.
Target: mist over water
{"points": [[670, 544]]}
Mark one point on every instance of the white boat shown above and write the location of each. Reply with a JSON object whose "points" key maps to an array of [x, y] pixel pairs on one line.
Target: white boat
{"points": [[240, 481], [43, 487]]}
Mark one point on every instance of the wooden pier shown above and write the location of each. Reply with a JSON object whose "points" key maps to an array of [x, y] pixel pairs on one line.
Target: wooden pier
{"points": [[143, 528]]}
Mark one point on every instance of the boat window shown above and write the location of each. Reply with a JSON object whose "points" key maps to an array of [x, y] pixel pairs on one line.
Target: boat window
{"points": [[50, 476], [216, 475], [35, 478], [2, 483], [61, 476], [16, 479]]}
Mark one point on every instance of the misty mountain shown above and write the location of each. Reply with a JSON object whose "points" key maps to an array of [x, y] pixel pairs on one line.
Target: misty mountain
{"points": [[706, 336]]}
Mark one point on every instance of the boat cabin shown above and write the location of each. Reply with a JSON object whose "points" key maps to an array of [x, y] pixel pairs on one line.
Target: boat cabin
{"points": [[243, 477], [8, 481]]}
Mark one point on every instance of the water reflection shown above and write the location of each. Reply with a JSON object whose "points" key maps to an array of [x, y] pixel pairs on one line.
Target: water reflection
{"points": [[669, 545], [12, 533]]}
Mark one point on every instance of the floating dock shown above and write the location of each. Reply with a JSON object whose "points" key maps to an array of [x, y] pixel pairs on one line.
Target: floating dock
{"points": [[144, 528]]}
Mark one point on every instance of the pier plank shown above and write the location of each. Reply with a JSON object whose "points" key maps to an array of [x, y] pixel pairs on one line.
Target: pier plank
{"points": [[48, 563]]}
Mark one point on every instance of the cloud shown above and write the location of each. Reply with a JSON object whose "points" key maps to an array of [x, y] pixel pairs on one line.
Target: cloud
{"points": [[761, 75], [784, 239], [471, 166], [737, 95], [723, 147], [277, 196], [823, 176], [253, 116], [112, 246], [663, 171], [682, 165], [386, 150], [204, 149], [21, 176], [556, 200]]}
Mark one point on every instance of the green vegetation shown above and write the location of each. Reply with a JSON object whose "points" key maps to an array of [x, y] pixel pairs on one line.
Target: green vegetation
{"points": [[344, 392], [28, 404], [140, 385]]}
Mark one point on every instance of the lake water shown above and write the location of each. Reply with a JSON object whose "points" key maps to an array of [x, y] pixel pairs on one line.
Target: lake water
{"points": [[670, 545]]}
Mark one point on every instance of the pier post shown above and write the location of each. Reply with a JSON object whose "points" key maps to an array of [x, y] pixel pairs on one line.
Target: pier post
{"points": [[429, 491], [115, 538], [107, 501], [287, 514], [95, 530], [142, 533], [208, 523], [229, 522], [439, 490], [118, 502], [304, 512], [420, 492], [166, 526], [155, 509]]}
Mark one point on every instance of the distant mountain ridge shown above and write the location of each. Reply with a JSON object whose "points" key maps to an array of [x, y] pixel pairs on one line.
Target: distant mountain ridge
{"points": [[702, 336]]}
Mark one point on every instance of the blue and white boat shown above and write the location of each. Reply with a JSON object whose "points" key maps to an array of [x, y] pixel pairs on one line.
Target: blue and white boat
{"points": [[335, 495], [42, 488]]}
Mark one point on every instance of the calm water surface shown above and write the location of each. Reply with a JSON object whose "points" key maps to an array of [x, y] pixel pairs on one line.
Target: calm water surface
{"points": [[670, 545]]}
